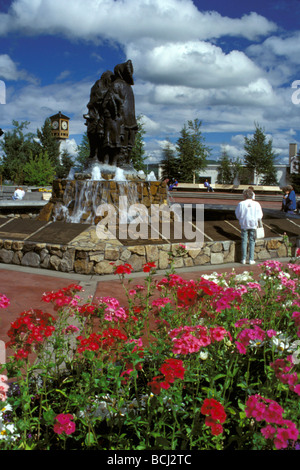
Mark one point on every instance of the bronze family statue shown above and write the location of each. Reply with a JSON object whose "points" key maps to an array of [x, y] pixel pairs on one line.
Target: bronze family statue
{"points": [[111, 122]]}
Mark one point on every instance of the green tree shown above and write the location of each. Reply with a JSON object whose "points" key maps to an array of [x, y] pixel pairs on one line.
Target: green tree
{"points": [[192, 151], [83, 151], [169, 162], [225, 170], [49, 143], [17, 146], [39, 170], [63, 169], [138, 151], [260, 158], [295, 177]]}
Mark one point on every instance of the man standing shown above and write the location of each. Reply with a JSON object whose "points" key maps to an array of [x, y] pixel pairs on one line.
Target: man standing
{"points": [[248, 213]]}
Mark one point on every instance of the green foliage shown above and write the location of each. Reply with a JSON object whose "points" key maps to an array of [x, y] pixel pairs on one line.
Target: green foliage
{"points": [[192, 151], [228, 169], [63, 168], [49, 143], [83, 152], [138, 151], [39, 170], [260, 158], [295, 177], [169, 162], [17, 146], [120, 383]]}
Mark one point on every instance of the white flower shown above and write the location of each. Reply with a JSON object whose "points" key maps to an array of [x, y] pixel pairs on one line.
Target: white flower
{"points": [[282, 343], [7, 431], [203, 355], [244, 277], [256, 343]]}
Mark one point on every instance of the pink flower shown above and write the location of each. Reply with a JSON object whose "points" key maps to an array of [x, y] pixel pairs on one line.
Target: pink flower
{"points": [[64, 424], [268, 432], [240, 347], [218, 333], [4, 301], [3, 387], [297, 389]]}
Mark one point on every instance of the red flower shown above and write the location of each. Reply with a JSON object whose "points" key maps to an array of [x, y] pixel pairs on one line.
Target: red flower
{"points": [[155, 386], [148, 266], [186, 295], [215, 415], [123, 269]]}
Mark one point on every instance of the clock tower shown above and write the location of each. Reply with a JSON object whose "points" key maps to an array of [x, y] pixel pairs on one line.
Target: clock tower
{"points": [[60, 126]]}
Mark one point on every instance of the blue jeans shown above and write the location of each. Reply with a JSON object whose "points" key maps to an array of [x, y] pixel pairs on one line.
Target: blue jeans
{"points": [[250, 233]]}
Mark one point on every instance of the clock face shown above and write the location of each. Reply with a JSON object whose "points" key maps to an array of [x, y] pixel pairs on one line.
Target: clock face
{"points": [[55, 124], [64, 125]]}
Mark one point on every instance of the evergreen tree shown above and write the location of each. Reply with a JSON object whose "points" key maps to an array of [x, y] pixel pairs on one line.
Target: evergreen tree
{"points": [[191, 150], [17, 147], [295, 177], [65, 166], [260, 158], [39, 170], [49, 143], [83, 151], [169, 162], [225, 170], [138, 152]]}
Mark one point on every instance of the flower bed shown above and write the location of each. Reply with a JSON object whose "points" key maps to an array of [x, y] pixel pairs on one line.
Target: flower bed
{"points": [[218, 370]]}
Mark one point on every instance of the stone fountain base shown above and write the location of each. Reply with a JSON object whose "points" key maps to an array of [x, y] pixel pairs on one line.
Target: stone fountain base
{"points": [[78, 200]]}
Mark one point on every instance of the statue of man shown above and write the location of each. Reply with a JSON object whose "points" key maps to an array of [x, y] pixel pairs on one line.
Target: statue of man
{"points": [[111, 121], [95, 116]]}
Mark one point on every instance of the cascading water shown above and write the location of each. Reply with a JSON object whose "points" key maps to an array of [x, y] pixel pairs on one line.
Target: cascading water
{"points": [[83, 196]]}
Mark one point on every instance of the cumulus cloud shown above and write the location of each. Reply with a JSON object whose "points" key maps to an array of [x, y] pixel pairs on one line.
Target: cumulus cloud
{"points": [[126, 20], [184, 66], [195, 64], [10, 71]]}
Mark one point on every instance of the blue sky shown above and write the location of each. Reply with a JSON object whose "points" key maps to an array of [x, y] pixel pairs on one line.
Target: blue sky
{"points": [[230, 64]]}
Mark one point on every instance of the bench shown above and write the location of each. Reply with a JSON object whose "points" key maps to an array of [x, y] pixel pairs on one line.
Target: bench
{"points": [[228, 187]]}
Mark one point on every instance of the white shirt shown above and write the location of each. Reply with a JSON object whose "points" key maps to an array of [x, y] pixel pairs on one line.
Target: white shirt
{"points": [[248, 212], [19, 194]]}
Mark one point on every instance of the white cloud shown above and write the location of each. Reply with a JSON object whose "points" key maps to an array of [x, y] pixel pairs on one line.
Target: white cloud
{"points": [[127, 20], [70, 146], [179, 74], [10, 71], [288, 47], [196, 64]]}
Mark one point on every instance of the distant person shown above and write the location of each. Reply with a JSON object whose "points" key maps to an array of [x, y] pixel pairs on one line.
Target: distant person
{"points": [[208, 186], [284, 198], [18, 194], [173, 184], [248, 213], [290, 204], [252, 189]]}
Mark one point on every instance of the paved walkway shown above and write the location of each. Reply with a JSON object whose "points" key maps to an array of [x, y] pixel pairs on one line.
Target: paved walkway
{"points": [[24, 286]]}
